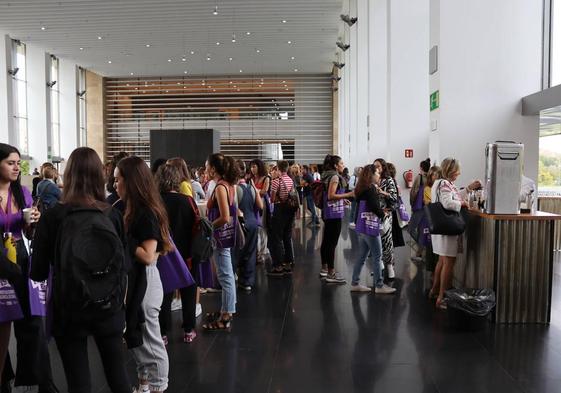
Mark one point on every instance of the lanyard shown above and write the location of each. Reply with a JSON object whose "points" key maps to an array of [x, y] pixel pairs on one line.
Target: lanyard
{"points": [[8, 211]]}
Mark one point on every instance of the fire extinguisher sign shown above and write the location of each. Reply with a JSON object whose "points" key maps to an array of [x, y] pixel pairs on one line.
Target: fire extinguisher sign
{"points": [[408, 153]]}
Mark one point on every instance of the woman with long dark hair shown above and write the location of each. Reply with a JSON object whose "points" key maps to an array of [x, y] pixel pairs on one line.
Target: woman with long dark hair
{"points": [[262, 182], [147, 226], [370, 213], [332, 214], [388, 190], [83, 189], [33, 362], [222, 212], [182, 219]]}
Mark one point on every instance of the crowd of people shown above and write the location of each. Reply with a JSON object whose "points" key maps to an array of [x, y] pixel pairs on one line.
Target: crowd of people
{"points": [[99, 241]]}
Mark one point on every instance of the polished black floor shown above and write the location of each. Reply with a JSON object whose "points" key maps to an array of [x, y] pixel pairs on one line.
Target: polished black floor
{"points": [[300, 335]]}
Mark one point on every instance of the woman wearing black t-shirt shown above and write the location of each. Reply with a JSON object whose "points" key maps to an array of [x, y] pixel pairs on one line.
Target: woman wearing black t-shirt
{"points": [[181, 222], [146, 223], [83, 188]]}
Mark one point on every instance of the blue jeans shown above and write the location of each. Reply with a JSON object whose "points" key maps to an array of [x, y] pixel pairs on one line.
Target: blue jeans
{"points": [[225, 275], [369, 247], [312, 207]]}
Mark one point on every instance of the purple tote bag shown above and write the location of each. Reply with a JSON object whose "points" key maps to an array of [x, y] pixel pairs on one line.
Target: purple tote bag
{"points": [[173, 271], [367, 222], [333, 209], [402, 210], [10, 309], [225, 236]]}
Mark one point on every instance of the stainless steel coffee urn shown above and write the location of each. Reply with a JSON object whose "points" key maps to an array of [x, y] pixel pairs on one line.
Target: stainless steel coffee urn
{"points": [[503, 177]]}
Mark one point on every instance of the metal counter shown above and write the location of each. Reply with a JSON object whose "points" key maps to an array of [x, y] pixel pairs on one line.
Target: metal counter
{"points": [[513, 254]]}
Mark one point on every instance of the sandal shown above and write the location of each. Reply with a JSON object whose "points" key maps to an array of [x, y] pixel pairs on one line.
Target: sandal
{"points": [[441, 304], [212, 316], [219, 324]]}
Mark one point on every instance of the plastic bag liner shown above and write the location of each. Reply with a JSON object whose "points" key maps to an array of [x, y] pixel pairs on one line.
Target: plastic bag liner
{"points": [[474, 302]]}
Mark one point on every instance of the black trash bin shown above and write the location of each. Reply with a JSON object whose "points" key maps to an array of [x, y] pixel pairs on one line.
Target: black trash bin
{"points": [[468, 309]]}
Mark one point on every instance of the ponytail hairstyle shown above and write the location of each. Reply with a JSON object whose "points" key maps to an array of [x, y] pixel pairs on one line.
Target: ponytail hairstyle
{"points": [[141, 195], [425, 165], [384, 174], [330, 162], [225, 166], [15, 186]]}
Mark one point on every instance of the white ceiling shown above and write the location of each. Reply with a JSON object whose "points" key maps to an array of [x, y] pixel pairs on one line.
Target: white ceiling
{"points": [[174, 28]]}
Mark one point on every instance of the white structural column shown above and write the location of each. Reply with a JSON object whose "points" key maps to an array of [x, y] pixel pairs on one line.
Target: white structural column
{"points": [[68, 107], [5, 91], [37, 91], [392, 111], [351, 68]]}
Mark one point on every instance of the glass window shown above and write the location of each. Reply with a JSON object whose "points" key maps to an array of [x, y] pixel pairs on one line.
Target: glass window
{"points": [[82, 127], [54, 146], [555, 51], [19, 85]]}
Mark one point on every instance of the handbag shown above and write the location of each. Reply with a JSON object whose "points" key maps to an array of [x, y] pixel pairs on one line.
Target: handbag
{"points": [[442, 221]]}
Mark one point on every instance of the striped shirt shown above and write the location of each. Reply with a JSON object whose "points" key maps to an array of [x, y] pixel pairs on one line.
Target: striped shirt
{"points": [[281, 190]]}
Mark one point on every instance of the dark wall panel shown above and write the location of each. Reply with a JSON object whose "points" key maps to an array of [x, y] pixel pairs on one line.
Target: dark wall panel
{"points": [[193, 146]]}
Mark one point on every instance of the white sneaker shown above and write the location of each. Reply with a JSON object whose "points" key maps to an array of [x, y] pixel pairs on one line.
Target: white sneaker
{"points": [[384, 289], [142, 389], [198, 310], [352, 225], [360, 288], [323, 273], [176, 304], [391, 271]]}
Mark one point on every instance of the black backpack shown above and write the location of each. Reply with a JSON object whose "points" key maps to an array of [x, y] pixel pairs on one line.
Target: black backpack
{"points": [[203, 243], [90, 277]]}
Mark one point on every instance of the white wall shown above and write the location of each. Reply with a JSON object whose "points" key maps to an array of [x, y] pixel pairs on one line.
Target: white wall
{"points": [[490, 57]]}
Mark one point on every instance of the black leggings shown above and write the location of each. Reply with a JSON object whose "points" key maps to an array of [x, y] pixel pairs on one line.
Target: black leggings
{"points": [[331, 232], [188, 304], [74, 354]]}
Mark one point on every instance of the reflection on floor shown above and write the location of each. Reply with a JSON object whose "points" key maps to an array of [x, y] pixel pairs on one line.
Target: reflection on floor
{"points": [[300, 335]]}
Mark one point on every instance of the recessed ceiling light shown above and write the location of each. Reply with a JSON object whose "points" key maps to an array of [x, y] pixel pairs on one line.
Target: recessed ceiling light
{"points": [[99, 37], [169, 60], [292, 58], [241, 70], [208, 58], [178, 83], [81, 48], [248, 33], [286, 89], [218, 43], [289, 42], [214, 90], [233, 37], [230, 58], [184, 72], [231, 82], [136, 88], [109, 61], [167, 91], [148, 45], [192, 52], [283, 81], [132, 73], [257, 50], [128, 84], [283, 21], [184, 87], [43, 28], [235, 86], [183, 59], [215, 11], [296, 70]]}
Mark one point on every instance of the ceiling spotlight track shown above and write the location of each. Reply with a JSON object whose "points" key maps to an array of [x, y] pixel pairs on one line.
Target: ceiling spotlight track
{"points": [[348, 20], [13, 71], [342, 46], [338, 65], [81, 93], [51, 84]]}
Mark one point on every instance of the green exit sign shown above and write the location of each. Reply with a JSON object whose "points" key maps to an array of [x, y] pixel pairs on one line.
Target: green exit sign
{"points": [[434, 100]]}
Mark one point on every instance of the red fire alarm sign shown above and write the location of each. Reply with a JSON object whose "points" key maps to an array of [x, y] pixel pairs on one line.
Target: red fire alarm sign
{"points": [[408, 153]]}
